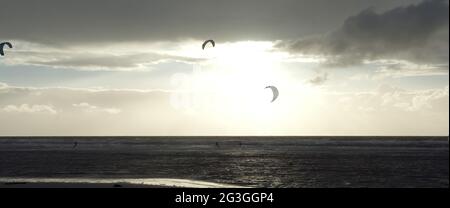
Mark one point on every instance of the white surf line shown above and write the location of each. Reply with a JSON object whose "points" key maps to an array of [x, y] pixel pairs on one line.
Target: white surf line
{"points": [[166, 182]]}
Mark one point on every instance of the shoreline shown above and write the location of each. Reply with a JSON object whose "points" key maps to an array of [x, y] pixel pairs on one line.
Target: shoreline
{"points": [[77, 185], [107, 183]]}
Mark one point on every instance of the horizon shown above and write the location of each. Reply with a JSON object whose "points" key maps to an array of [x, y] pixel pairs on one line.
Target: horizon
{"points": [[233, 136]]}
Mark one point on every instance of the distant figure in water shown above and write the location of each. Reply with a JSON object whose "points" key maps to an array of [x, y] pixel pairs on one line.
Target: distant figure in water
{"points": [[217, 144], [75, 144]]}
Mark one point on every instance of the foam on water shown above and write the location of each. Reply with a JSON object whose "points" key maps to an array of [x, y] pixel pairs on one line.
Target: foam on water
{"points": [[164, 182]]}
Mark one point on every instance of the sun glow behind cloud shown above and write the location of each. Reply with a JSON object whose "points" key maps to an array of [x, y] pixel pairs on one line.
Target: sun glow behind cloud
{"points": [[230, 85]]}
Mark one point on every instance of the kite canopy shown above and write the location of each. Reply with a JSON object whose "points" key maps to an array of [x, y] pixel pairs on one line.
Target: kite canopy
{"points": [[274, 91], [206, 43], [2, 45]]}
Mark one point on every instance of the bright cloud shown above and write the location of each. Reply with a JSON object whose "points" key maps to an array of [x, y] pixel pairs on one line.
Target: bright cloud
{"points": [[304, 110], [109, 57], [93, 109], [25, 108]]}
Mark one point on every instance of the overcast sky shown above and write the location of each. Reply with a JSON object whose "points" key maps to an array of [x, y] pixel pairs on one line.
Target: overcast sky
{"points": [[113, 67]]}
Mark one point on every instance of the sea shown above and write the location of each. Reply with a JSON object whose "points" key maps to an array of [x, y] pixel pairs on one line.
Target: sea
{"points": [[263, 162]]}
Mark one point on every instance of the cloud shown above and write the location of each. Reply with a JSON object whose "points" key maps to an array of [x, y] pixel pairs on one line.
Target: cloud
{"points": [[407, 69], [25, 108], [429, 99], [68, 96], [393, 99], [3, 85], [109, 62], [65, 22], [319, 79], [416, 33], [111, 58], [387, 110], [86, 35], [94, 109], [86, 111], [72, 100]]}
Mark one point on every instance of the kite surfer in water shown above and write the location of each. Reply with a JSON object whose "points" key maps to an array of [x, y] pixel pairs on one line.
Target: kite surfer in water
{"points": [[75, 144]]}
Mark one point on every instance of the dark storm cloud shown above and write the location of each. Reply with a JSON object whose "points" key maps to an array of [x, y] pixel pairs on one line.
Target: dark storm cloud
{"points": [[417, 33], [62, 22]]}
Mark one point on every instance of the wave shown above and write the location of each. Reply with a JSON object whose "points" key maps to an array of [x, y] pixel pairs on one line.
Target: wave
{"points": [[159, 182]]}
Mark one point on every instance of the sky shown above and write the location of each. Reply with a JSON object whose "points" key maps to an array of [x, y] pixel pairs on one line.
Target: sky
{"points": [[137, 68]]}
